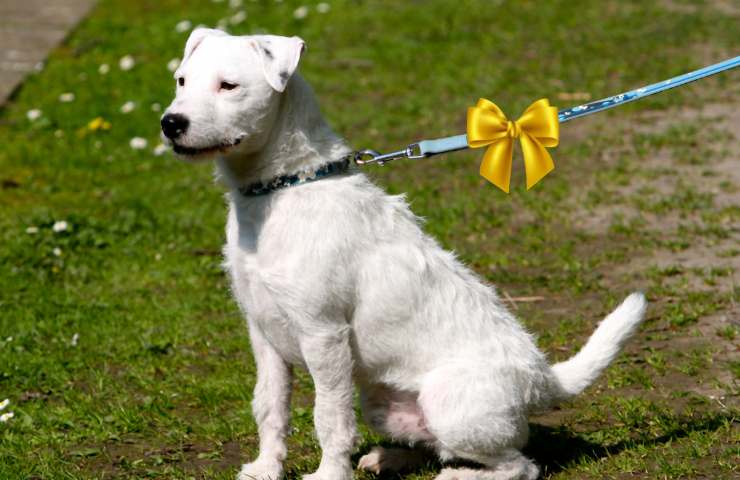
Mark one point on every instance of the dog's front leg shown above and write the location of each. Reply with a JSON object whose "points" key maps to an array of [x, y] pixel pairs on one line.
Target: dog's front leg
{"points": [[271, 409], [328, 357]]}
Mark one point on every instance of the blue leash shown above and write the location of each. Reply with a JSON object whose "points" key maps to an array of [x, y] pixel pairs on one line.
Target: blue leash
{"points": [[428, 148]]}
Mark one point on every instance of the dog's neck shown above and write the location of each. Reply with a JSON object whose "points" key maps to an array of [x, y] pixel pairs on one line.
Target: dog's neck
{"points": [[300, 141]]}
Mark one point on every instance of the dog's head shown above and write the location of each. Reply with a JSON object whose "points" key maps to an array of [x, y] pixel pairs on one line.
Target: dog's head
{"points": [[227, 92]]}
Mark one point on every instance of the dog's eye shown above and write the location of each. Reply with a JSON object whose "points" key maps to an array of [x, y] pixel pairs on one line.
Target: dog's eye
{"points": [[228, 86], [181, 81]]}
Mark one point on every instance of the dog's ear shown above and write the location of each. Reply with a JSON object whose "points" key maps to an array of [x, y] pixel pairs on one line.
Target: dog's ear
{"points": [[279, 57], [197, 36]]}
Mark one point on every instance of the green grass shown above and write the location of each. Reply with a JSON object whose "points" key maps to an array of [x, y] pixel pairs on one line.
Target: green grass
{"points": [[159, 380]]}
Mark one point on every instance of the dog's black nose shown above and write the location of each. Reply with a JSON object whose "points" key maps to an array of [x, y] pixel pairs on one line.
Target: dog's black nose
{"points": [[174, 125]]}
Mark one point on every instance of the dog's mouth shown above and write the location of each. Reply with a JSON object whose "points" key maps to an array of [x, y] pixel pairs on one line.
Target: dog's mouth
{"points": [[193, 151]]}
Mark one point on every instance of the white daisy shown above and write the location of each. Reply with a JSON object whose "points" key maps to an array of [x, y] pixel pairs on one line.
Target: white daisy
{"points": [[138, 143], [238, 17], [60, 226], [33, 114], [6, 416], [160, 149], [32, 230], [57, 252], [183, 26], [300, 13], [103, 69], [173, 64], [4, 404], [128, 107], [323, 7], [75, 339], [126, 62], [67, 97]]}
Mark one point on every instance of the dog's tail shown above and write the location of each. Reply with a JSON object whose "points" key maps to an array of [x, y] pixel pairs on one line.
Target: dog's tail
{"points": [[579, 371]]}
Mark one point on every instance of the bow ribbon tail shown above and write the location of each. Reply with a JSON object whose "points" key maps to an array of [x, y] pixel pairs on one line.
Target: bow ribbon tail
{"points": [[537, 161], [496, 164]]}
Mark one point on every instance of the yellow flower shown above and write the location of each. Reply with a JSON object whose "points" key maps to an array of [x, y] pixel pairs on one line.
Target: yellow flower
{"points": [[98, 123]]}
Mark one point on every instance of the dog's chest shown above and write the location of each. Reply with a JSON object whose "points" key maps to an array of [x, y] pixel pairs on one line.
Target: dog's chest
{"points": [[263, 285], [264, 308]]}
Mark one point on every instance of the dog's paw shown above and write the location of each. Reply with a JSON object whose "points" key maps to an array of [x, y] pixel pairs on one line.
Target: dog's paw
{"points": [[459, 474], [372, 461], [260, 470], [530, 472], [330, 474], [381, 459]]}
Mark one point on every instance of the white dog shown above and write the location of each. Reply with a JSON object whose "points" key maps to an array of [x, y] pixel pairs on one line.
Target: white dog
{"points": [[336, 276]]}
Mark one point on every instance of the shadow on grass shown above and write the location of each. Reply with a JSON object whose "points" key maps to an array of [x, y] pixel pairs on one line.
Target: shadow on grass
{"points": [[556, 449]]}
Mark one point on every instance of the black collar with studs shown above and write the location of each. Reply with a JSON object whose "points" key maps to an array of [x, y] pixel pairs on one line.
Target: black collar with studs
{"points": [[284, 181]]}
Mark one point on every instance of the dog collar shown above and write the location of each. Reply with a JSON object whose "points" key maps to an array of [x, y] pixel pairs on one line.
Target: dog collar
{"points": [[284, 181]]}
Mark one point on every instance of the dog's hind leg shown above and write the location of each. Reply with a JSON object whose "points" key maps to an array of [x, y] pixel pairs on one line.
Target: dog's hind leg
{"points": [[271, 409], [478, 412]]}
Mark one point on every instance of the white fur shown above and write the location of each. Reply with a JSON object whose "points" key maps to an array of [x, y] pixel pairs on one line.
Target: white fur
{"points": [[337, 277], [605, 343]]}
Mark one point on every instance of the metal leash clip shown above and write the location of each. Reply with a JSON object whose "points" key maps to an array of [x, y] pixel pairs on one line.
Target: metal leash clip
{"points": [[412, 151]]}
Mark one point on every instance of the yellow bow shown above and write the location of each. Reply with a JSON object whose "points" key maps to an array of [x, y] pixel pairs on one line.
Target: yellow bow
{"points": [[536, 129]]}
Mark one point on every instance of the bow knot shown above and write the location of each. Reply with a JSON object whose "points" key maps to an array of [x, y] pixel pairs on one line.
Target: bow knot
{"points": [[513, 130], [536, 129]]}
